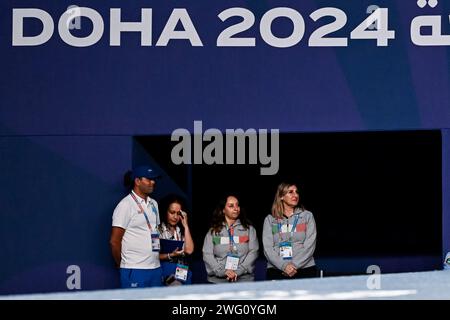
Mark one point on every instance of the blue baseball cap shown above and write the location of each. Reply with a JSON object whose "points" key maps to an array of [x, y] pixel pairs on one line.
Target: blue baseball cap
{"points": [[145, 172]]}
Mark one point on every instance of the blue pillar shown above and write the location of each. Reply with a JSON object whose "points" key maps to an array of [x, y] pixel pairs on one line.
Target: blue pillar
{"points": [[445, 191]]}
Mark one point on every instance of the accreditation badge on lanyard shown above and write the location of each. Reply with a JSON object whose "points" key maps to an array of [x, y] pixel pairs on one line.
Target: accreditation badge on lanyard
{"points": [[154, 233], [181, 272], [286, 250], [232, 262], [286, 246], [155, 241], [232, 256]]}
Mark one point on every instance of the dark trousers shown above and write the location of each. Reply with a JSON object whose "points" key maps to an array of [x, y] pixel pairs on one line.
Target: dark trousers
{"points": [[275, 274]]}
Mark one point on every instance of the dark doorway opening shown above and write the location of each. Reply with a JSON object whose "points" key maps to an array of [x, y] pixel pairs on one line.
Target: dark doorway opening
{"points": [[373, 194]]}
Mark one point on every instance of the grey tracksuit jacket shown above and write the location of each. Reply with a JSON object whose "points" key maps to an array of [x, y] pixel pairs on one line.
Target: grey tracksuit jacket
{"points": [[303, 240], [216, 247]]}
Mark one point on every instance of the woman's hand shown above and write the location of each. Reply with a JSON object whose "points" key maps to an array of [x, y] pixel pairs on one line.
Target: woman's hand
{"points": [[184, 219], [176, 253], [231, 275], [290, 270]]}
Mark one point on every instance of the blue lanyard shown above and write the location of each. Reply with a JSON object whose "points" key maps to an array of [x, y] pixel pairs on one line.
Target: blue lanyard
{"points": [[292, 229], [143, 211], [230, 230], [154, 209]]}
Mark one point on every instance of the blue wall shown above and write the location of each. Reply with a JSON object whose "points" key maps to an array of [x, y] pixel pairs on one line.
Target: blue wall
{"points": [[68, 115], [58, 196]]}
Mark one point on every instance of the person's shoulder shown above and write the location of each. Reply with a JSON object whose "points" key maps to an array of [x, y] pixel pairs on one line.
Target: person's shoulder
{"points": [[306, 213], [123, 209], [210, 232], [241, 227], [153, 201], [269, 218], [238, 223]]}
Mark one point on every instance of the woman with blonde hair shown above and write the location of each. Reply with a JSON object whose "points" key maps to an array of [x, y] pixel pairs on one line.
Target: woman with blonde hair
{"points": [[289, 237]]}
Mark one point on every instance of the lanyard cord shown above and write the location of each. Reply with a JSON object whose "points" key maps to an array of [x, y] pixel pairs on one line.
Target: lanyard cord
{"points": [[292, 229], [230, 230], [143, 211]]}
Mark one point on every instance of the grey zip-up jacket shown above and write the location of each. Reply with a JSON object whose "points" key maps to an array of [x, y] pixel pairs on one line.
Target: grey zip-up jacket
{"points": [[303, 240], [216, 247]]}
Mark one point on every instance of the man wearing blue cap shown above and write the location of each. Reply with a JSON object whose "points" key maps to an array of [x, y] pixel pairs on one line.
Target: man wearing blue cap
{"points": [[134, 237]]}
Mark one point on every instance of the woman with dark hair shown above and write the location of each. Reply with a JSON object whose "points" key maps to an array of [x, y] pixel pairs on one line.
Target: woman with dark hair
{"points": [[289, 237], [175, 234], [231, 246]]}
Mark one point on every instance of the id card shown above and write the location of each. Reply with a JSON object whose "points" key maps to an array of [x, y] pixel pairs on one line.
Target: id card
{"points": [[286, 250], [232, 262], [155, 242], [181, 272]]}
